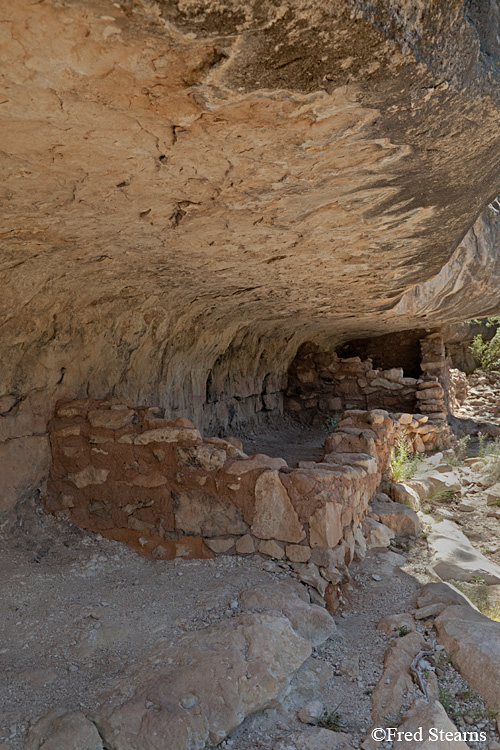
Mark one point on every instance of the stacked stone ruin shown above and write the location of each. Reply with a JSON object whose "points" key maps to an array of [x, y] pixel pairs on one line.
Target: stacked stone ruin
{"points": [[321, 385], [433, 385], [157, 484]]}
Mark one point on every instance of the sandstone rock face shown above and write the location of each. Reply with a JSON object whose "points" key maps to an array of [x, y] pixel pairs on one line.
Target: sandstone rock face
{"points": [[169, 170], [172, 693]]}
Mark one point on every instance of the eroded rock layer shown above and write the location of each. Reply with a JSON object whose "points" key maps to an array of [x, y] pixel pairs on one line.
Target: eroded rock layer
{"points": [[192, 191]]}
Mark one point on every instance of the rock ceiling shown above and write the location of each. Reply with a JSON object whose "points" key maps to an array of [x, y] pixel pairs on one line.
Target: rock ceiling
{"points": [[191, 187]]}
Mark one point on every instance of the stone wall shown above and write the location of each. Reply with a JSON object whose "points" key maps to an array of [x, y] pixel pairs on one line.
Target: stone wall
{"points": [[320, 384], [434, 385], [156, 484]]}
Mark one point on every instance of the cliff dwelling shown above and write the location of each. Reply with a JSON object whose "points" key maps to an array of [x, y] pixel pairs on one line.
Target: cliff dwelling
{"points": [[249, 393]]}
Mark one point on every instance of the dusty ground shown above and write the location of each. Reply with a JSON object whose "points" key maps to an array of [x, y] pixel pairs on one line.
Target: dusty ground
{"points": [[286, 439]]}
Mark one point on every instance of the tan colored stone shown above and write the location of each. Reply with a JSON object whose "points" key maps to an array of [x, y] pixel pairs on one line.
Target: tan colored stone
{"points": [[196, 512], [396, 683], [274, 516], [405, 418], [325, 526], [206, 457], [63, 731], [377, 534], [298, 552], [258, 461], [167, 435], [473, 640], [261, 651], [398, 517], [291, 599], [431, 720], [111, 419], [219, 546], [272, 549], [245, 545], [391, 624], [153, 479], [89, 475]]}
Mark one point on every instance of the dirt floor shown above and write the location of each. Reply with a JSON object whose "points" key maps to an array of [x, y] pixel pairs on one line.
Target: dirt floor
{"points": [[286, 439]]}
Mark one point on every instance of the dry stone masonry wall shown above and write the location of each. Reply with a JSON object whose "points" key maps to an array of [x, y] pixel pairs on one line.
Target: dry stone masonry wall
{"points": [[129, 474], [322, 384]]}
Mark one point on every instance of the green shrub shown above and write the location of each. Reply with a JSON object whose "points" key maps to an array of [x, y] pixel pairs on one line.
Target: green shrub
{"points": [[404, 463], [486, 353]]}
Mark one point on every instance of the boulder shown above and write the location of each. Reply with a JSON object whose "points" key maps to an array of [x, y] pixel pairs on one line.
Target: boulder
{"points": [[63, 731], [440, 481], [473, 640], [454, 558], [398, 517], [311, 713], [441, 593], [376, 534], [290, 598], [435, 724], [405, 495], [391, 624], [183, 692]]}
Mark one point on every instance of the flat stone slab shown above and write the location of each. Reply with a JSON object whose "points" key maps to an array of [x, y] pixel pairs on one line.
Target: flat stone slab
{"points": [[454, 558]]}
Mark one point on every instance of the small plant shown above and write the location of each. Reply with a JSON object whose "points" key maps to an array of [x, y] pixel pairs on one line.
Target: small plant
{"points": [[447, 658], [447, 702], [402, 631], [460, 452], [404, 463], [477, 593], [331, 424], [486, 353], [394, 720], [491, 456], [332, 720], [440, 495], [368, 691]]}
